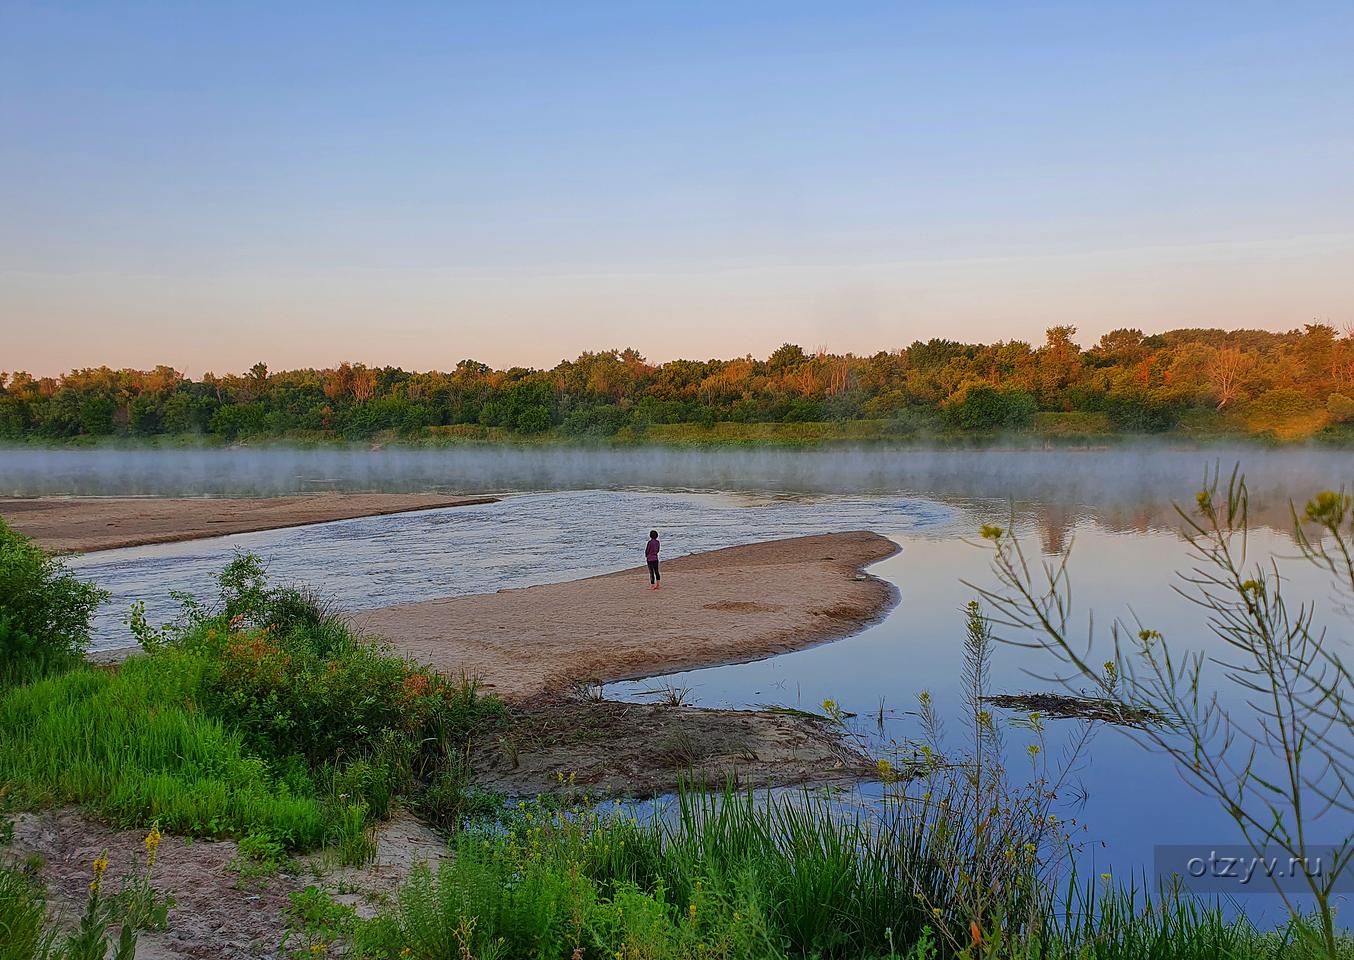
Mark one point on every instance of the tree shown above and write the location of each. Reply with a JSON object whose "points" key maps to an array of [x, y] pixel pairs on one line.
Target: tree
{"points": [[1224, 368], [786, 356], [1059, 363]]}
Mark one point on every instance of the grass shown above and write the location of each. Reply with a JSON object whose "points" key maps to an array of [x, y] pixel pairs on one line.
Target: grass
{"points": [[739, 876], [135, 746], [22, 917]]}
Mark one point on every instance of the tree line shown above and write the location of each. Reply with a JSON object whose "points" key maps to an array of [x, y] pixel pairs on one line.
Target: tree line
{"points": [[1129, 382]]}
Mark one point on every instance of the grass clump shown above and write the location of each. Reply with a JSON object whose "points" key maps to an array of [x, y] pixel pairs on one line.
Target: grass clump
{"points": [[22, 917]]}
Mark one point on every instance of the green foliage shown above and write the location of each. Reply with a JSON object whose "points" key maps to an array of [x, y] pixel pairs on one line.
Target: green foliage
{"points": [[258, 715], [314, 922], [451, 799], [1282, 402], [985, 408], [1340, 408], [134, 746], [25, 933], [1140, 413], [287, 673], [44, 611]]}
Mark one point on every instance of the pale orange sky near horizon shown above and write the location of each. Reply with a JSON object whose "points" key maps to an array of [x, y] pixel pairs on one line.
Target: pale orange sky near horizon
{"points": [[287, 321], [421, 183]]}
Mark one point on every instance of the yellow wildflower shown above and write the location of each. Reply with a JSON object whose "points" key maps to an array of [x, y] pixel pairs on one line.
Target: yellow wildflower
{"points": [[152, 844], [100, 867]]}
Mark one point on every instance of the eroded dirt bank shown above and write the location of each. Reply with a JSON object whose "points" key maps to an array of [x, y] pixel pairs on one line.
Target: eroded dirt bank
{"points": [[740, 603], [606, 748], [84, 524]]}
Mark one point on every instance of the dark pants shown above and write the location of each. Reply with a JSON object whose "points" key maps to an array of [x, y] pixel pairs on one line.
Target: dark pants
{"points": [[653, 571]]}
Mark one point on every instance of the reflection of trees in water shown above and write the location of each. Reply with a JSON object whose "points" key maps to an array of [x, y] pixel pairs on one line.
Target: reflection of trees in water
{"points": [[1056, 522]]}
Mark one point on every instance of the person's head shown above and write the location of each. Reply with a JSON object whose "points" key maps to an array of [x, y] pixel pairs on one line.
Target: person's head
{"points": [[653, 534]]}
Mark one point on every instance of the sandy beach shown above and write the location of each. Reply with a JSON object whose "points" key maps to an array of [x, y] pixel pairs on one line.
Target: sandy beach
{"points": [[84, 524], [740, 603]]}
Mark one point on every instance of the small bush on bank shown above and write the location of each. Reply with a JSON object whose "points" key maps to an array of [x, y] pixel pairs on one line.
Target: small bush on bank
{"points": [[289, 674], [44, 611]]}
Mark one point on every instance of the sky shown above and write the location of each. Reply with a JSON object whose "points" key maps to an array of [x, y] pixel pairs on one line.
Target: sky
{"points": [[208, 185]]}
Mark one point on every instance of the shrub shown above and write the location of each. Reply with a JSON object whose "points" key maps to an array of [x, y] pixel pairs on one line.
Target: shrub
{"points": [[258, 714], [44, 611], [1340, 407], [1141, 413], [289, 674], [985, 408]]}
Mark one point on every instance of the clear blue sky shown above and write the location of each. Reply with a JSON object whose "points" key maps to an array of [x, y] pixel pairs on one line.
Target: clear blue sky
{"points": [[211, 184]]}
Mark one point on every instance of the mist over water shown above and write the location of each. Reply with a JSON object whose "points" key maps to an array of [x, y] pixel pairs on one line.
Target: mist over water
{"points": [[1115, 478]]}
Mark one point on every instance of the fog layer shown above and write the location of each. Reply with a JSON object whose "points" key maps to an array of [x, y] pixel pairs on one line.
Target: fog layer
{"points": [[1120, 476]]}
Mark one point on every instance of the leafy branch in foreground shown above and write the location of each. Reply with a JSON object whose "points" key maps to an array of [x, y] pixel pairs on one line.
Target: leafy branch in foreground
{"points": [[1272, 742]]}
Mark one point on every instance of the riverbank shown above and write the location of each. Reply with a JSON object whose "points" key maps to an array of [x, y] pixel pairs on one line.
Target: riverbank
{"points": [[86, 524], [739, 603]]}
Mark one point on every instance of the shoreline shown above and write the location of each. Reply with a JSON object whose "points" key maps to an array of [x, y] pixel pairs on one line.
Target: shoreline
{"points": [[77, 525], [723, 606]]}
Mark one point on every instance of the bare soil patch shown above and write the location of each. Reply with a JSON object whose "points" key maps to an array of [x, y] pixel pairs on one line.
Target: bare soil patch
{"points": [[84, 524], [643, 750], [740, 603], [218, 913]]}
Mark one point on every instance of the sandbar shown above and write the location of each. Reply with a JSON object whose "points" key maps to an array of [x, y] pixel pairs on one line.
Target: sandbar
{"points": [[85, 524], [736, 604]]}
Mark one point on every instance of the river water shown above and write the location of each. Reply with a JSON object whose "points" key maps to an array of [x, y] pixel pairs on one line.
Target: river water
{"points": [[1126, 552]]}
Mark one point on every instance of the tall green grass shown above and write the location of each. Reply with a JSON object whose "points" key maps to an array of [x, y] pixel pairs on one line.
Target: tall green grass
{"points": [[135, 746], [22, 918], [739, 876]]}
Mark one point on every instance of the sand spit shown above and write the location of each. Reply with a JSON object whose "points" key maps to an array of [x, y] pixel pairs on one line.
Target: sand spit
{"points": [[84, 524], [740, 603]]}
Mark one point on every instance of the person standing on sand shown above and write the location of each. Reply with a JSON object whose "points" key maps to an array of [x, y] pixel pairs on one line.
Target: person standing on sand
{"points": [[651, 558]]}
